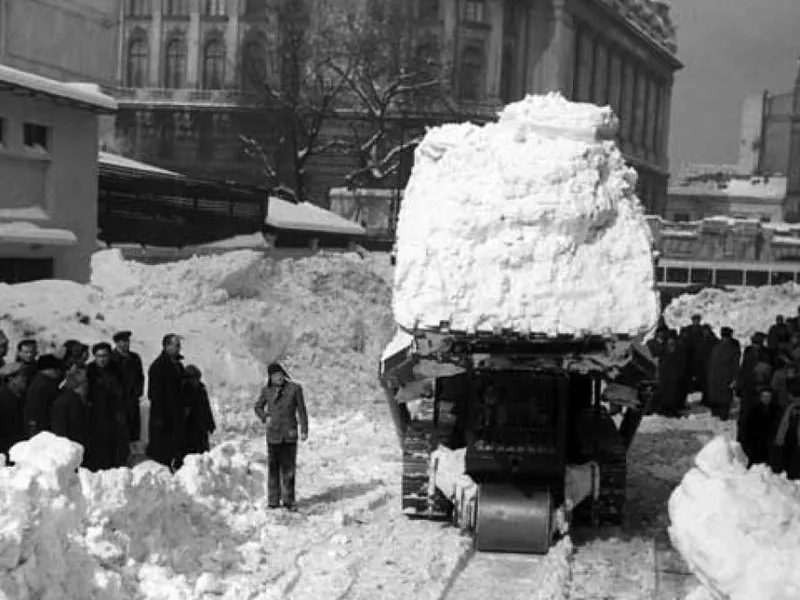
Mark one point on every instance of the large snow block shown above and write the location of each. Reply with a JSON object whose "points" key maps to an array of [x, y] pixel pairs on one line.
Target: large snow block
{"points": [[530, 223]]}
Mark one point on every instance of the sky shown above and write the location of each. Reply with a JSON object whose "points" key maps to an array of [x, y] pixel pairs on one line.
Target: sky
{"points": [[731, 49]]}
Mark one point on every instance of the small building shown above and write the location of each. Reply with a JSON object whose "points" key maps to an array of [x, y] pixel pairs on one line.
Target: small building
{"points": [[736, 196], [48, 174]]}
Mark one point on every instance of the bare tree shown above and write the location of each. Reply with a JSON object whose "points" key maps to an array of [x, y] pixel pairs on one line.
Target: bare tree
{"points": [[305, 91], [396, 85]]}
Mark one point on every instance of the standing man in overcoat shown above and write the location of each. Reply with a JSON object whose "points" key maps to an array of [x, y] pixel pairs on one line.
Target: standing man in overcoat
{"points": [[131, 370], [282, 407], [165, 391]]}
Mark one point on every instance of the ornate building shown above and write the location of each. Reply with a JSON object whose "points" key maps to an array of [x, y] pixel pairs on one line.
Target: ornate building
{"points": [[186, 68]]}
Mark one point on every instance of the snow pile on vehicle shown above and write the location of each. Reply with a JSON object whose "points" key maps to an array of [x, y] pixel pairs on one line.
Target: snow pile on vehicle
{"points": [[738, 529], [529, 224], [746, 310]]}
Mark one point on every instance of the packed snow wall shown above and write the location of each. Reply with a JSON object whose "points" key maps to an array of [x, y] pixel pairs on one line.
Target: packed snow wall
{"points": [[529, 224]]}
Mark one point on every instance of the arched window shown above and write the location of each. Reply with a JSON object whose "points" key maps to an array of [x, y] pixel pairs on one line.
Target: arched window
{"points": [[254, 66], [176, 8], [472, 83], [175, 69], [214, 65], [136, 75], [215, 8]]}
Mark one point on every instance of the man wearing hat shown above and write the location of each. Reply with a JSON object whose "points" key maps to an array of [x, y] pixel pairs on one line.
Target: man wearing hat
{"points": [[41, 394], [12, 403], [722, 371], [282, 408], [109, 448], [165, 379], [131, 370]]}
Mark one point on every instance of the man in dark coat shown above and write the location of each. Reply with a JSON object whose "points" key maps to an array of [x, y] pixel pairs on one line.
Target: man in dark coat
{"points": [[27, 354], [130, 367], [722, 370], [12, 405], [282, 407], [3, 348], [758, 429], [72, 415], [199, 423], [703, 357], [691, 337], [671, 378], [76, 355], [658, 343], [41, 394], [778, 334], [165, 391], [109, 448]]}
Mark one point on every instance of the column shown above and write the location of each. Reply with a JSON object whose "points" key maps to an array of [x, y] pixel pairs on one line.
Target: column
{"points": [[193, 43], [449, 38], [232, 44], [551, 49], [494, 53], [154, 37]]}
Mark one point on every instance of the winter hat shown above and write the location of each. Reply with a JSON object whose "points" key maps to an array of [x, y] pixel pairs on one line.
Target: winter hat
{"points": [[48, 361], [101, 346], [192, 372], [122, 336], [277, 368]]}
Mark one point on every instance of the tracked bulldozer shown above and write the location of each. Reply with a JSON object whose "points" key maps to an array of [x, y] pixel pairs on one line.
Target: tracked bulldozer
{"points": [[513, 437]]}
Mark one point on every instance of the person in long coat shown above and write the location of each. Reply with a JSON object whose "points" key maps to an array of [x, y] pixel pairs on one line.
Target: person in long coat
{"points": [[12, 404], [72, 415], [759, 428], [723, 368], [167, 407], [109, 447], [199, 423], [671, 372], [691, 337], [131, 370], [41, 393], [282, 407], [703, 357]]}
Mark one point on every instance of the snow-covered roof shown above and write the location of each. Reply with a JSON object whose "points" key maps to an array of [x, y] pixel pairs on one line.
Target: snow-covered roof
{"points": [[82, 95], [22, 232], [308, 217], [115, 160]]}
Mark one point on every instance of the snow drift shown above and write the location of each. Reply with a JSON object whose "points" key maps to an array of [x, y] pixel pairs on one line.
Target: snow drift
{"points": [[738, 529], [530, 223]]}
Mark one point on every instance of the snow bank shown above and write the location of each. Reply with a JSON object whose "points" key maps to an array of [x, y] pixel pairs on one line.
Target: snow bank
{"points": [[746, 310], [738, 529], [530, 223]]}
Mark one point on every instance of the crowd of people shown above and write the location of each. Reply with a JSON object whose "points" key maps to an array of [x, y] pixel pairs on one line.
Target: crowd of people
{"points": [[765, 376], [91, 395]]}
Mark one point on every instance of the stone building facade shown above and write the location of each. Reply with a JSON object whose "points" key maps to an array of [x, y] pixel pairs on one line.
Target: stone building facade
{"points": [[186, 72]]}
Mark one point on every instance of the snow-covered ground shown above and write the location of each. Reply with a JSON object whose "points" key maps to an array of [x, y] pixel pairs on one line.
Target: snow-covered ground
{"points": [[205, 533]]}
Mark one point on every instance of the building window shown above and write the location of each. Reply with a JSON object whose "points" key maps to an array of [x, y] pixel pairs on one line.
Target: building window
{"points": [[36, 136], [428, 9], [471, 84], [138, 8], [254, 66], [136, 76], [175, 71], [214, 65], [255, 8], [474, 11], [215, 8], [176, 8]]}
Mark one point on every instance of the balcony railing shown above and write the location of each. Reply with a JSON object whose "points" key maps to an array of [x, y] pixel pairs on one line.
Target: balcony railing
{"points": [[183, 96]]}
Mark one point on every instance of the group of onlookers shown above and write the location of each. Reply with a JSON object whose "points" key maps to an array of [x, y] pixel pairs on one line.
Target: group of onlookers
{"points": [[91, 395], [765, 377]]}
